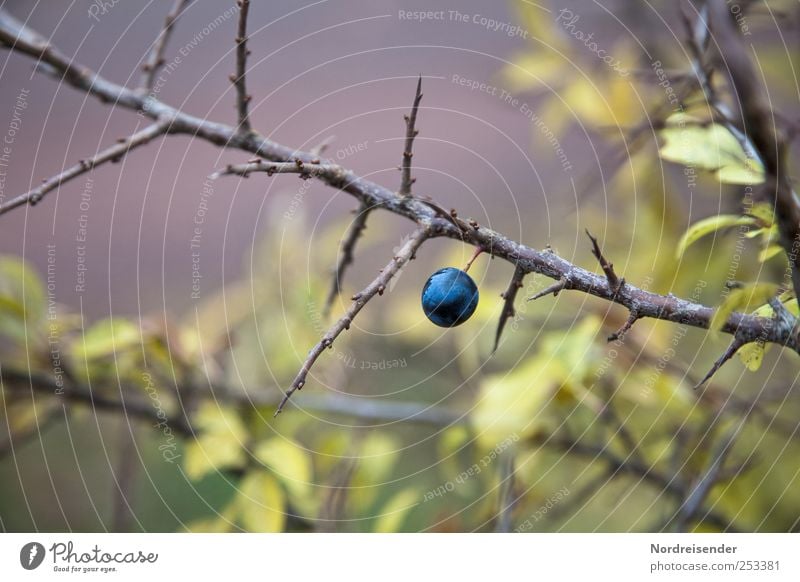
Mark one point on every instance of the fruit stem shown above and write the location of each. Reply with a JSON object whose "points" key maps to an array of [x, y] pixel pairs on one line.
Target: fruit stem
{"points": [[476, 254]]}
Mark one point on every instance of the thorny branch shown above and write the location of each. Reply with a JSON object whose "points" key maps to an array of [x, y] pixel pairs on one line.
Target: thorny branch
{"points": [[354, 232], [377, 287], [238, 78], [425, 213], [408, 152]]}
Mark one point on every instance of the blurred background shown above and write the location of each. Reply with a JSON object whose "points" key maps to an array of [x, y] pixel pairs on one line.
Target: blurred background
{"points": [[185, 305]]}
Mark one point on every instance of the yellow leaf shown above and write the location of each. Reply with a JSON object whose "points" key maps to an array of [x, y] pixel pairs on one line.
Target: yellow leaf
{"points": [[261, 503], [289, 462], [107, 337], [740, 299], [219, 445], [709, 146], [769, 252], [396, 510], [752, 355], [708, 225]]}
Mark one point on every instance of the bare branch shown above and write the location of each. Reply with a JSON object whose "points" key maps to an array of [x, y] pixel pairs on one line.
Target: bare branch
{"points": [[238, 79], [354, 232], [608, 268], [508, 296], [112, 154], [734, 347], [155, 59], [377, 287], [411, 132], [664, 307]]}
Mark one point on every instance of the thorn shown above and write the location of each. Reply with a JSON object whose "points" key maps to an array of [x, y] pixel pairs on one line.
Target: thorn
{"points": [[555, 289], [736, 344], [614, 282]]}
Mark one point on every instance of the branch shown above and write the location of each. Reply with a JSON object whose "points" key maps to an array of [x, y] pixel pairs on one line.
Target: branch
{"points": [[155, 60], [112, 154], [555, 289], [508, 296], [693, 502], [759, 128], [570, 276], [377, 287], [406, 181], [238, 79], [357, 227]]}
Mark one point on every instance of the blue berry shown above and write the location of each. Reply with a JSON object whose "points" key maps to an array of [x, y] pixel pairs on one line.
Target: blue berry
{"points": [[449, 297]]}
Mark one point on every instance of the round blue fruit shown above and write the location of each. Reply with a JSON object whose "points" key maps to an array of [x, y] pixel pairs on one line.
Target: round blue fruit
{"points": [[449, 297]]}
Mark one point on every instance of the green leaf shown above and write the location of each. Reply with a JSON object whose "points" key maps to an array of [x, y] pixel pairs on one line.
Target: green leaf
{"points": [[708, 225], [740, 299], [396, 510], [107, 337], [261, 503], [709, 146], [219, 445]]}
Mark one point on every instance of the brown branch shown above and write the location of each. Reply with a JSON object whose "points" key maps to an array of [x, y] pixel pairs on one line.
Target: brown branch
{"points": [[238, 78], [759, 128], [377, 287], [411, 132], [155, 59], [508, 296], [354, 232], [664, 307], [112, 154], [608, 268]]}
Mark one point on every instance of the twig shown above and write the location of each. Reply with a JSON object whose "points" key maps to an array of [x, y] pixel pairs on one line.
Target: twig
{"points": [[377, 287], [155, 59], [238, 79], [668, 308], [614, 282], [113, 154], [633, 317], [411, 132], [508, 296], [354, 232], [734, 347]]}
